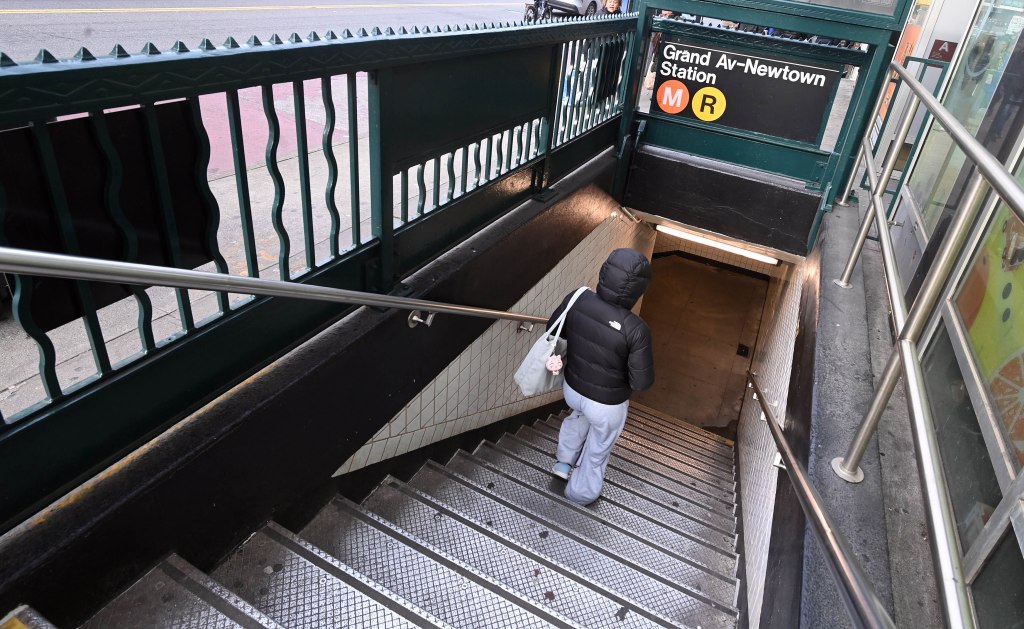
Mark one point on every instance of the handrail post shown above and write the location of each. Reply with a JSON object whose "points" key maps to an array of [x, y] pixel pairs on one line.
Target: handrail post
{"points": [[848, 468], [887, 169]]}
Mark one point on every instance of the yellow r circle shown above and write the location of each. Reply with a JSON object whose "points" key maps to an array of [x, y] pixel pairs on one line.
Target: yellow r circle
{"points": [[708, 104]]}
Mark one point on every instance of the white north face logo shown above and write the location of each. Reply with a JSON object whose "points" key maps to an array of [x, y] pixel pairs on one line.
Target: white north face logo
{"points": [[615, 324]]}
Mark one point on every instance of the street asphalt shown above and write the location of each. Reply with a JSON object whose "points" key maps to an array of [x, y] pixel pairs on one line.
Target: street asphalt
{"points": [[63, 26]]}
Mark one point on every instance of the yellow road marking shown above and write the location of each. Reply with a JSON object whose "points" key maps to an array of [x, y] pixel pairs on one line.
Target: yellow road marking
{"points": [[308, 7]]}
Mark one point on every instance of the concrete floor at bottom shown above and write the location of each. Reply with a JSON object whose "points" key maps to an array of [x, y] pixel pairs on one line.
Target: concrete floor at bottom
{"points": [[700, 314]]}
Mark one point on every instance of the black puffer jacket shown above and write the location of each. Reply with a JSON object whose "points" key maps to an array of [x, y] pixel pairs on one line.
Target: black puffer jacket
{"points": [[609, 347]]}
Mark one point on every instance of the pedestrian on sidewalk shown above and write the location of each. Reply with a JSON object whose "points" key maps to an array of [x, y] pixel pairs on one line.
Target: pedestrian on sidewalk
{"points": [[609, 357]]}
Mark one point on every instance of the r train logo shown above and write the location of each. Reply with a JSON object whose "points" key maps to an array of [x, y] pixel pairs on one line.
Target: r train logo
{"points": [[708, 103]]}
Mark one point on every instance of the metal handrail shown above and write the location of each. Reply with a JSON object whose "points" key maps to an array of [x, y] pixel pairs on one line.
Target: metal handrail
{"points": [[76, 267], [905, 357], [862, 603]]}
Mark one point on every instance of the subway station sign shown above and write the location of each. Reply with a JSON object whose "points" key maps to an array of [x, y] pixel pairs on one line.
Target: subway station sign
{"points": [[764, 93]]}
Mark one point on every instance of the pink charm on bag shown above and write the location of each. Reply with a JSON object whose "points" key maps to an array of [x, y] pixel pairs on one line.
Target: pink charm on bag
{"points": [[554, 364]]}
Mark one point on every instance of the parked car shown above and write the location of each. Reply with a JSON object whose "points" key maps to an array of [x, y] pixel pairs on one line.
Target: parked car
{"points": [[577, 7]]}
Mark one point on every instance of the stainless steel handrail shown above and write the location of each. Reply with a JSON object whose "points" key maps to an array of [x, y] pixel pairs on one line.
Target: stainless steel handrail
{"points": [[863, 605], [75, 267], [905, 357]]}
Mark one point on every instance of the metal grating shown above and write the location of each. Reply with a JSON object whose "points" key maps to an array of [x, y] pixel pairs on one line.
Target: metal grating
{"points": [[300, 589], [437, 588], [170, 598], [616, 495], [642, 480], [567, 548], [509, 563], [682, 472], [651, 418], [643, 541]]}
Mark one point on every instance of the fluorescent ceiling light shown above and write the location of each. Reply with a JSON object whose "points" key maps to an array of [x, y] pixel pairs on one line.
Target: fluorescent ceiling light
{"points": [[760, 257]]}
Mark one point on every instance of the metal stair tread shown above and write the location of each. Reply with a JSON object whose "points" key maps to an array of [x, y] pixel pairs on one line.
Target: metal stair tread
{"points": [[176, 594], [299, 585], [678, 439], [639, 480], [421, 574], [707, 557], [721, 468], [719, 590], [627, 499], [532, 575], [652, 471], [723, 488], [681, 428], [567, 547], [668, 419]]}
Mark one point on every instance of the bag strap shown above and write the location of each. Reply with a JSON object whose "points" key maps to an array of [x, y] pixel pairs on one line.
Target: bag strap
{"points": [[561, 318]]}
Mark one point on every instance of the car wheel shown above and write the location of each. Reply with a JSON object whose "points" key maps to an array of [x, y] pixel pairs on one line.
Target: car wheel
{"points": [[531, 14], [591, 9]]}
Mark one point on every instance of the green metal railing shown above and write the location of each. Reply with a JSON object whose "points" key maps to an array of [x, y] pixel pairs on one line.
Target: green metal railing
{"points": [[351, 209]]}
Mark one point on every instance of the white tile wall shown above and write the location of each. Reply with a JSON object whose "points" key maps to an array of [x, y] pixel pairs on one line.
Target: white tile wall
{"points": [[477, 389], [773, 359], [666, 243]]}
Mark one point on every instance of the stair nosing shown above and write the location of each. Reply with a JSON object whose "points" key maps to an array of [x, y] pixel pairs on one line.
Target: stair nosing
{"points": [[726, 465], [203, 586], [510, 542], [454, 564], [350, 576], [653, 412], [615, 525], [717, 477], [680, 438], [728, 552], [714, 505], [635, 492], [713, 469], [673, 422], [698, 489], [585, 542]]}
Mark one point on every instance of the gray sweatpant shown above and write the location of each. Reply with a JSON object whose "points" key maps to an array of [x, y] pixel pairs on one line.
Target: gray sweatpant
{"points": [[592, 429]]}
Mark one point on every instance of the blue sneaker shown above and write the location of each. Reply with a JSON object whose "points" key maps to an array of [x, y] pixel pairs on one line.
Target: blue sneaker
{"points": [[561, 470]]}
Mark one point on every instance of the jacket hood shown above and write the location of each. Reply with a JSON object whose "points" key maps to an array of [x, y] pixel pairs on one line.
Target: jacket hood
{"points": [[624, 277]]}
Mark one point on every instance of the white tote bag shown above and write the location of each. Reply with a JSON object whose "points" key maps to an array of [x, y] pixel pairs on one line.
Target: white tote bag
{"points": [[533, 376]]}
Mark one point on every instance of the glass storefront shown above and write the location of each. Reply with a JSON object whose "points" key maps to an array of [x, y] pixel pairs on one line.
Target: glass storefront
{"points": [[973, 489], [976, 95], [990, 303], [999, 589]]}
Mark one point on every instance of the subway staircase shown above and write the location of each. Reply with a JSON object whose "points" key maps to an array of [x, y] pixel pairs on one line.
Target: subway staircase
{"points": [[486, 540]]}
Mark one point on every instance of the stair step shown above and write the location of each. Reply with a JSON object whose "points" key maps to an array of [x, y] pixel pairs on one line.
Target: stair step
{"points": [[627, 543], [651, 417], [721, 467], [299, 585], [657, 475], [569, 546], [534, 576], [420, 573], [679, 439], [714, 513], [704, 557], [176, 594], [634, 501], [24, 617], [682, 471]]}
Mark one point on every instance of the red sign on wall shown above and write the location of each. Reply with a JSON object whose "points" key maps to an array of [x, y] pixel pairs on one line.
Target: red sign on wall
{"points": [[942, 50]]}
